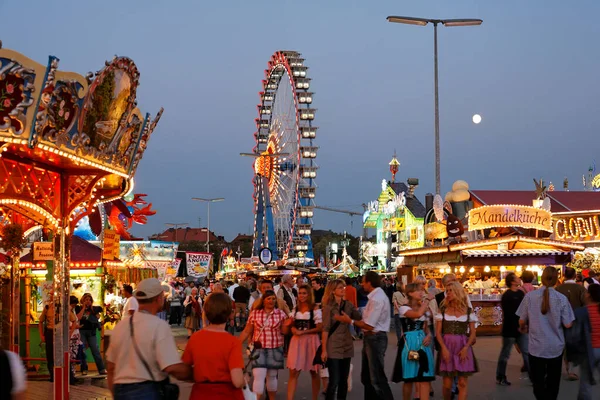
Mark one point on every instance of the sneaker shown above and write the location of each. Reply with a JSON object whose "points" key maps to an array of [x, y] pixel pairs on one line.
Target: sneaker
{"points": [[103, 372], [503, 382], [83, 372]]}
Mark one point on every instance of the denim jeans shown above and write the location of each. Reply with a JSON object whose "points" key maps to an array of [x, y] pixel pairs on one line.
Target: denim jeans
{"points": [[135, 391], [545, 376], [373, 362], [88, 337], [585, 388], [339, 369], [507, 345]]}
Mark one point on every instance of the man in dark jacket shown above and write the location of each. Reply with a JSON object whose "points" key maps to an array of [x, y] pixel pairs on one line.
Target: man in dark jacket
{"points": [[576, 295], [510, 302]]}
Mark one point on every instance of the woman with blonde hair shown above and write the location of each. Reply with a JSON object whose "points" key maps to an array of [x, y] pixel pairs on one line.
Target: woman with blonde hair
{"points": [[307, 326], [337, 342], [455, 330], [414, 361], [545, 313]]}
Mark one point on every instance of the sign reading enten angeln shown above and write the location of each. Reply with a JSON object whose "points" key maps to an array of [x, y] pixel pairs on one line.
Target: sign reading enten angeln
{"points": [[504, 216]]}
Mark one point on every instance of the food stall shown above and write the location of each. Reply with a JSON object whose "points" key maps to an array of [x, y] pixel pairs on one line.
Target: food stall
{"points": [[87, 274], [492, 255]]}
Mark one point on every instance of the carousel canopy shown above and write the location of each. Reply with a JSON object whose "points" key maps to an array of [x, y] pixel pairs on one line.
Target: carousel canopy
{"points": [[82, 252]]}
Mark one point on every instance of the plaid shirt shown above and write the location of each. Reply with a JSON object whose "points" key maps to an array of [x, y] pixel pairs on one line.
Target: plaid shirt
{"points": [[270, 337], [546, 332]]}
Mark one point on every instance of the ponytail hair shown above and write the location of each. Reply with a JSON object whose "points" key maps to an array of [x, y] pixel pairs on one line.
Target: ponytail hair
{"points": [[549, 279]]}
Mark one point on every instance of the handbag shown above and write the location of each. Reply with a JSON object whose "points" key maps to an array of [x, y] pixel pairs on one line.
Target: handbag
{"points": [[168, 391], [248, 394], [256, 345], [318, 360]]}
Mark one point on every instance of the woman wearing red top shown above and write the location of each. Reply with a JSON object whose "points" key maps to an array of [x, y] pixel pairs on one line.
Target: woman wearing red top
{"points": [[265, 328], [216, 355]]}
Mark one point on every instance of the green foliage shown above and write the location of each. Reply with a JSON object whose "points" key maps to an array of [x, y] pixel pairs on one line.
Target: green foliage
{"points": [[13, 241], [100, 105]]}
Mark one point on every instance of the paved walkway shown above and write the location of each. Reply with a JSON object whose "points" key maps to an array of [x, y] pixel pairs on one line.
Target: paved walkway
{"points": [[481, 386]]}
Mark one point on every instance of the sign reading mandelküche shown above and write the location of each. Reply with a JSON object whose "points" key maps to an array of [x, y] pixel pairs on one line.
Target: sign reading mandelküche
{"points": [[504, 216]]}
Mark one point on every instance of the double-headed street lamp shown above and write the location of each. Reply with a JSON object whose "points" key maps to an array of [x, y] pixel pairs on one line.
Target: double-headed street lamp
{"points": [[435, 22], [208, 201], [176, 226]]}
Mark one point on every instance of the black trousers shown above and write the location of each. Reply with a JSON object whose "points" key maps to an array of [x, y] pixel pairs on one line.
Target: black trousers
{"points": [[339, 369], [545, 376], [175, 316], [49, 338], [372, 372]]}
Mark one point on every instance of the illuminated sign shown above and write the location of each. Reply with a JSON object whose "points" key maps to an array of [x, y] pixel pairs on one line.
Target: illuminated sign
{"points": [[43, 251], [580, 228], [505, 216]]}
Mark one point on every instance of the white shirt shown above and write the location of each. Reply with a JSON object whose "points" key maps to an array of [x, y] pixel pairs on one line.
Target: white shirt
{"points": [[377, 311], [473, 285], [290, 292], [276, 288], [586, 285], [131, 304], [231, 289], [17, 371], [155, 343]]}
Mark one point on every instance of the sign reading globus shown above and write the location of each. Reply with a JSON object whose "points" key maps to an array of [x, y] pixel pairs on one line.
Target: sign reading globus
{"points": [[577, 228], [505, 216]]}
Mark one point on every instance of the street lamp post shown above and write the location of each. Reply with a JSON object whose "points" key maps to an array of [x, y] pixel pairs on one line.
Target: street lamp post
{"points": [[208, 201], [435, 22], [176, 226]]}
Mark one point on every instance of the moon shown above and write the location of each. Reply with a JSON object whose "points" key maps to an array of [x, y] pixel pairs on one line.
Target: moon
{"points": [[476, 118]]}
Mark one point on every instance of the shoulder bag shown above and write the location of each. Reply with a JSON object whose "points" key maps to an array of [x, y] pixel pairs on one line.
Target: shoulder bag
{"points": [[168, 391], [257, 345], [317, 360]]}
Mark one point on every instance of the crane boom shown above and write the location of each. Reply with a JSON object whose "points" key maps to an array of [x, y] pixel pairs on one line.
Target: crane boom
{"points": [[351, 213]]}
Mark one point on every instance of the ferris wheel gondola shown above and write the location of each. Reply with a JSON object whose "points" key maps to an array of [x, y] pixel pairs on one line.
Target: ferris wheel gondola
{"points": [[284, 166]]}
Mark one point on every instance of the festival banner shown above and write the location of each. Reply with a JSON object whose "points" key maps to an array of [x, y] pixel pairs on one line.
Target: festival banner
{"points": [[161, 269], [198, 264]]}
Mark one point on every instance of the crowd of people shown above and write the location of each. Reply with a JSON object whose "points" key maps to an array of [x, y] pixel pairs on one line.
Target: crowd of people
{"points": [[312, 327]]}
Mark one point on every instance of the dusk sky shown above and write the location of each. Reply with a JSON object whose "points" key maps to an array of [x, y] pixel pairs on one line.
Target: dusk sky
{"points": [[530, 70]]}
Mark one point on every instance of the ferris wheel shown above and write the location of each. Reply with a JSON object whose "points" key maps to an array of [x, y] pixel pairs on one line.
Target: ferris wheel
{"points": [[285, 168]]}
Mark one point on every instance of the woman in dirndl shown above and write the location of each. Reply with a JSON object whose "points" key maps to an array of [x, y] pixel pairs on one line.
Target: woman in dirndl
{"points": [[455, 326], [307, 326], [264, 330], [414, 361]]}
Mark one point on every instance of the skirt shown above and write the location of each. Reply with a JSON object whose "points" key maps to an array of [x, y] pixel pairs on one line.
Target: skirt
{"points": [[269, 358], [406, 370], [192, 322], [302, 352], [456, 367]]}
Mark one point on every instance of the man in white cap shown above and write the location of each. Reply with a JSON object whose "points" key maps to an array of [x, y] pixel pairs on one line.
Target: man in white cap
{"points": [[142, 352]]}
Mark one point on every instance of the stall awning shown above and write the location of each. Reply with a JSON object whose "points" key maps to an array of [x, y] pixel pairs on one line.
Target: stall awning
{"points": [[514, 253]]}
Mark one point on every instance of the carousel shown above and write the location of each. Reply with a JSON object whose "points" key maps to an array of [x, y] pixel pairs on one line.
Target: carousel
{"points": [[68, 143]]}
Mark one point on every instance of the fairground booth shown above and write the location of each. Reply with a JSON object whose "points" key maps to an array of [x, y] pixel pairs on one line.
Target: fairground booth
{"points": [[397, 216], [68, 143], [486, 235]]}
